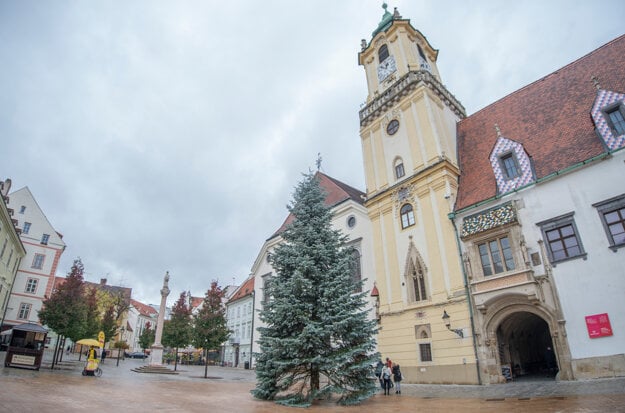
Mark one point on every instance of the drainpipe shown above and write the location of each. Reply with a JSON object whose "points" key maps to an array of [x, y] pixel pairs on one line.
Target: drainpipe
{"points": [[452, 216], [252, 332]]}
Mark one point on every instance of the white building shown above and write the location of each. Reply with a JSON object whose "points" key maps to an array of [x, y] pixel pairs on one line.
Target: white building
{"points": [[541, 215], [350, 217], [140, 317], [35, 275], [240, 319], [11, 249]]}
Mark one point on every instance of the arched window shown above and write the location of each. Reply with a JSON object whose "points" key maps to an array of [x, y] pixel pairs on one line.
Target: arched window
{"points": [[382, 53], [416, 281], [356, 270], [407, 216], [399, 168]]}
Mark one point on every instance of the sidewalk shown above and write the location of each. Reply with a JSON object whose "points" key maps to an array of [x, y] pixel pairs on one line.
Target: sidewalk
{"points": [[228, 390]]}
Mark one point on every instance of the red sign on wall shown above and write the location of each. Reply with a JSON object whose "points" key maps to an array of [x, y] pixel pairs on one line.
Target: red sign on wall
{"points": [[598, 325]]}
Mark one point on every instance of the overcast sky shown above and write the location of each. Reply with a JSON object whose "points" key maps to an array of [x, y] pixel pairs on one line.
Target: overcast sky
{"points": [[169, 135]]}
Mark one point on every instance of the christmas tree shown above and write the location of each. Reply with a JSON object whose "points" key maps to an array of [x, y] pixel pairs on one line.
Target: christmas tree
{"points": [[318, 341]]}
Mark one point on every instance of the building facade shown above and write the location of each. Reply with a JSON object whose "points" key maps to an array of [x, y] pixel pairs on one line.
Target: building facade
{"points": [[35, 274], [12, 250], [541, 219], [408, 137], [240, 319]]}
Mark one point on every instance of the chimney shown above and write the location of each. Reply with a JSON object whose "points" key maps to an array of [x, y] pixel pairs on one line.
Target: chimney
{"points": [[102, 281]]}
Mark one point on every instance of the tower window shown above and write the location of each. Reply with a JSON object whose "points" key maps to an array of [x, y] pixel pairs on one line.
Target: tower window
{"points": [[399, 168], [382, 53], [392, 127], [616, 120], [26, 227], [421, 54], [416, 282], [45, 238], [509, 165], [407, 216], [22, 209]]}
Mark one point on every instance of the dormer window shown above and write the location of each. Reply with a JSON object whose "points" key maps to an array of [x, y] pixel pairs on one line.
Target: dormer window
{"points": [[616, 119], [383, 53], [509, 165]]}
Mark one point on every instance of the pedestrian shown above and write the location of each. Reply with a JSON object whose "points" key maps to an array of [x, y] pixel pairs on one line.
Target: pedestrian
{"points": [[67, 351], [103, 355], [397, 378], [386, 376], [378, 372], [389, 363]]}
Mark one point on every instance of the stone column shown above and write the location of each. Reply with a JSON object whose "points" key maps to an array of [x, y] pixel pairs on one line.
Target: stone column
{"points": [[156, 355]]}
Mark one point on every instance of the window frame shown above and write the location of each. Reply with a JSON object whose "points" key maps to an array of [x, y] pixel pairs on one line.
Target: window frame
{"points": [[399, 169], [38, 259], [560, 222], [31, 285], [26, 227], [384, 48], [503, 260], [45, 238], [428, 352], [515, 163], [608, 110], [24, 311], [608, 206], [409, 214]]}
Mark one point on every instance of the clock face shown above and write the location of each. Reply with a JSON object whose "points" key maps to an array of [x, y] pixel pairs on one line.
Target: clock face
{"points": [[385, 68]]}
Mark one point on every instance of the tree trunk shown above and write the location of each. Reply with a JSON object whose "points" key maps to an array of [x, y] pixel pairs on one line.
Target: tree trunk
{"points": [[314, 378], [56, 349], [205, 352]]}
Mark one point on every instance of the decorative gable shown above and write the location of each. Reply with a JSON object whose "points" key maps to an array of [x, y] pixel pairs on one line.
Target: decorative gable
{"points": [[606, 99], [524, 176]]}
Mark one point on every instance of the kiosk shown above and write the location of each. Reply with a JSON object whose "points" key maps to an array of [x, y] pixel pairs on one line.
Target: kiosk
{"points": [[26, 346]]}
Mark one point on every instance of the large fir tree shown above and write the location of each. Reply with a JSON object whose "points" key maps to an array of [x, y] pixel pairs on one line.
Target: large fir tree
{"points": [[210, 329], [318, 341]]}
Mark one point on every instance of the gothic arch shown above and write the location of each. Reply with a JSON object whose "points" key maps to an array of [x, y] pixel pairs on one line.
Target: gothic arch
{"points": [[415, 276], [502, 318]]}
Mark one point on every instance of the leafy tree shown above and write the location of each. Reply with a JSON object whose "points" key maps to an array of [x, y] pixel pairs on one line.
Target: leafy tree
{"points": [[316, 326], [65, 311], [92, 325], [108, 325], [147, 337], [209, 328], [177, 332]]}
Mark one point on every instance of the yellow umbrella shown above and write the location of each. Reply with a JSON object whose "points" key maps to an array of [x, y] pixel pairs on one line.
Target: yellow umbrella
{"points": [[89, 342]]}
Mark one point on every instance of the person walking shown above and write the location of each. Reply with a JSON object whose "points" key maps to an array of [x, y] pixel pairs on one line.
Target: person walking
{"points": [[378, 372], [103, 356], [386, 377], [397, 378]]}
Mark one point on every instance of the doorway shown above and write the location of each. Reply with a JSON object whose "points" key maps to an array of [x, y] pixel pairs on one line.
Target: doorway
{"points": [[526, 348]]}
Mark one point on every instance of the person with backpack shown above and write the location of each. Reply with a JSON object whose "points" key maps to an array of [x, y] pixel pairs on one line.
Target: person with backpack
{"points": [[378, 372], [397, 378], [386, 377]]}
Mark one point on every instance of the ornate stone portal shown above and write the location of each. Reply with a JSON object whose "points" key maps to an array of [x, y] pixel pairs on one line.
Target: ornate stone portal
{"points": [[156, 355]]}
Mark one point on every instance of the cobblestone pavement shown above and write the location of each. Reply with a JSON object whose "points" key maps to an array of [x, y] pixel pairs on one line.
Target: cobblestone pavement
{"points": [[228, 390]]}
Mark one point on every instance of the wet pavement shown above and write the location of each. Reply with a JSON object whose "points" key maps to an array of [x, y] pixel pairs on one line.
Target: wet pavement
{"points": [[228, 390]]}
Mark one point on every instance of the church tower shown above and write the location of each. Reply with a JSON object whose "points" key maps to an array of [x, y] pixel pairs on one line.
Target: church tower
{"points": [[408, 135]]}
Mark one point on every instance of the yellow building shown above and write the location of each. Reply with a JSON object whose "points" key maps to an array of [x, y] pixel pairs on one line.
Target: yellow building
{"points": [[408, 134]]}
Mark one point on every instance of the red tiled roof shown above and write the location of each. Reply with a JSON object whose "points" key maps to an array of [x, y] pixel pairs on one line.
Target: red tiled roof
{"points": [[337, 192], [143, 309], [550, 118], [244, 290]]}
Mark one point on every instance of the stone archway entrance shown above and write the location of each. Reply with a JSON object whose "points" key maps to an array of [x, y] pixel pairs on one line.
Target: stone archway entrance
{"points": [[525, 346]]}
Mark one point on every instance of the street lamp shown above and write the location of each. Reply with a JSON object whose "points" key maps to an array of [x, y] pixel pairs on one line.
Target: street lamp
{"points": [[448, 325], [119, 343]]}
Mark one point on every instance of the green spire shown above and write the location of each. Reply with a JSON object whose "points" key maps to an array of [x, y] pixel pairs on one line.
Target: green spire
{"points": [[387, 19]]}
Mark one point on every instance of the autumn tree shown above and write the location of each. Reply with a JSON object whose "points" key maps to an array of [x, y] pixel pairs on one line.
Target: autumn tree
{"points": [[209, 324], [146, 339], [177, 331]]}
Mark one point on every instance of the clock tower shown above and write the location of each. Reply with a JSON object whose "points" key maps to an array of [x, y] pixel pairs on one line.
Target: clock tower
{"points": [[408, 136]]}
